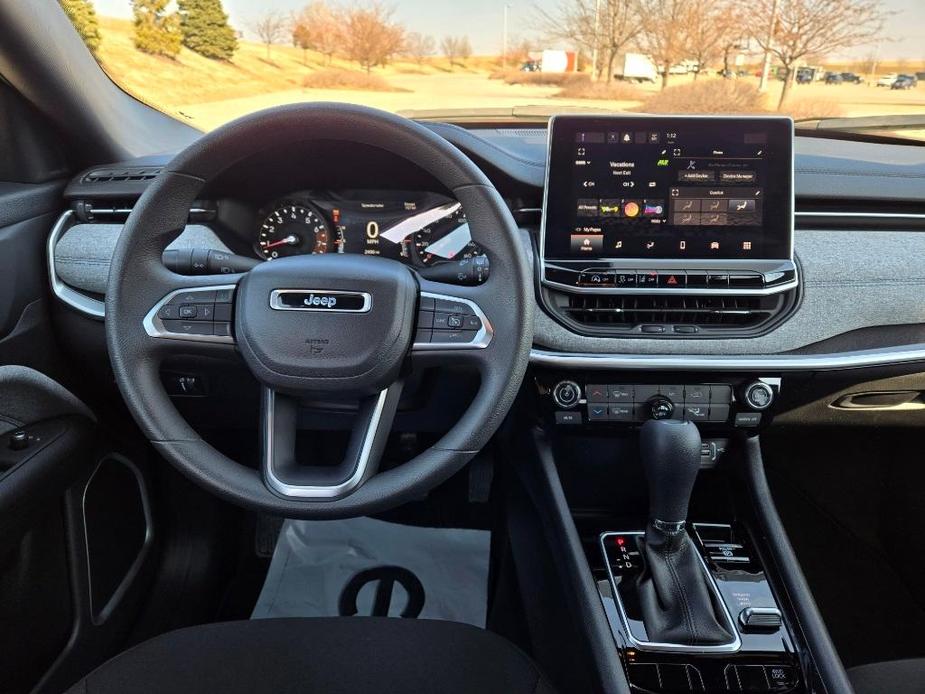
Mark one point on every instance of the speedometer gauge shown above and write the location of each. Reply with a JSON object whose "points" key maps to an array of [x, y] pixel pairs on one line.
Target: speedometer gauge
{"points": [[448, 238], [294, 228]]}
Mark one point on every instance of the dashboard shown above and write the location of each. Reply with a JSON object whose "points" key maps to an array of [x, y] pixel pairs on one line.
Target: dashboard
{"points": [[419, 229]]}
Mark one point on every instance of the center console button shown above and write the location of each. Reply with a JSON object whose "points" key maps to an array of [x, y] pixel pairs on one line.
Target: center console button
{"points": [[566, 393], [645, 676], [672, 280], [715, 280], [653, 329], [752, 678], [673, 393], [621, 394], [719, 413], [597, 278], [674, 678], [597, 412], [696, 413], [622, 413], [781, 677], [596, 393], [624, 279], [645, 392], [696, 279], [721, 394], [697, 394], [648, 280], [745, 280]]}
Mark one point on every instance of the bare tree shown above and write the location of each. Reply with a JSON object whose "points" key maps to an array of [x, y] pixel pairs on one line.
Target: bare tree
{"points": [[465, 49], [449, 46], [318, 27], [712, 31], [604, 28], [664, 34], [419, 47], [815, 27], [371, 37], [270, 28]]}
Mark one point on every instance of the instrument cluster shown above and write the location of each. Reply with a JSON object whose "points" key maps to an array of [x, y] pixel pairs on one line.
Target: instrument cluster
{"points": [[421, 229]]}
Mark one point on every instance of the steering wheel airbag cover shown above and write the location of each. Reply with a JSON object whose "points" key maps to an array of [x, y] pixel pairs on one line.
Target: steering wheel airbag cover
{"points": [[320, 343]]}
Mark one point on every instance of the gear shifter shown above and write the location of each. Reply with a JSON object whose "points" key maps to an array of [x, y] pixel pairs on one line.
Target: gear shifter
{"points": [[673, 590]]}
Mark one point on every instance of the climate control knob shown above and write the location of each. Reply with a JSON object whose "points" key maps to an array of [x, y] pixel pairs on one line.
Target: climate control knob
{"points": [[661, 408], [759, 396], [566, 394]]}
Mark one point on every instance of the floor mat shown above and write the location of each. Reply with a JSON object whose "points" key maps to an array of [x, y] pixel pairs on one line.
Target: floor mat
{"points": [[369, 567]]}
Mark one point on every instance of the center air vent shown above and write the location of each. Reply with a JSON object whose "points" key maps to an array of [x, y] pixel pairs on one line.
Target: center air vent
{"points": [[126, 173], [652, 315]]}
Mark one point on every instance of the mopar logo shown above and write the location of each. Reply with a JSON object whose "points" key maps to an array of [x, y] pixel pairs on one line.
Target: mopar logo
{"points": [[325, 301]]}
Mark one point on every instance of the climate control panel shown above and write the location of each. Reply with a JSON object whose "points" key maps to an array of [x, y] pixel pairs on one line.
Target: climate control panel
{"points": [[594, 400]]}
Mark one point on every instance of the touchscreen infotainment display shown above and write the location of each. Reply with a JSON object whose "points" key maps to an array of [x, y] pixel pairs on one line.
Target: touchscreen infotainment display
{"points": [[669, 187]]}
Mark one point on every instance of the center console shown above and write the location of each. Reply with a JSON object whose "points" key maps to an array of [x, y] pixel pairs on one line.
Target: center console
{"points": [[671, 228], [668, 226]]}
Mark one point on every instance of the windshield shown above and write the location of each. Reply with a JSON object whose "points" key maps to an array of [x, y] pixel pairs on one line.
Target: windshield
{"points": [[836, 64]]}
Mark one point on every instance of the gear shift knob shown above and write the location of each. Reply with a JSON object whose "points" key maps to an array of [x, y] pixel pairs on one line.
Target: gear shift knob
{"points": [[670, 451]]}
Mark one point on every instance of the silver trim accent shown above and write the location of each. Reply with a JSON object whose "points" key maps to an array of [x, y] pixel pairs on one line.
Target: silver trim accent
{"points": [[759, 385], [77, 300], [480, 341], [689, 362], [154, 326], [277, 304], [731, 647], [319, 492], [100, 616], [637, 262], [868, 215]]}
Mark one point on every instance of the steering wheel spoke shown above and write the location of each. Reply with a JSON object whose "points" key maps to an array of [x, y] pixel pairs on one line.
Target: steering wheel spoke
{"points": [[452, 325], [286, 476], [197, 310]]}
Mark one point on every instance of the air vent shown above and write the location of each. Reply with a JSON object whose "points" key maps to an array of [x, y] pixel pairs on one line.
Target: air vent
{"points": [[651, 315], [122, 173]]}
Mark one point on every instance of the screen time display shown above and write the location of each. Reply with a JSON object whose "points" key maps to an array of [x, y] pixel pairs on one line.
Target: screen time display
{"points": [[667, 187]]}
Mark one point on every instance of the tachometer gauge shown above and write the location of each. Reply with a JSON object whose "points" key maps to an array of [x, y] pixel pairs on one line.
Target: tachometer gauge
{"points": [[446, 239], [294, 228]]}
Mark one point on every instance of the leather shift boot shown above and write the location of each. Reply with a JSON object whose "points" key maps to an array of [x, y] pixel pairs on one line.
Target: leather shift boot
{"points": [[678, 605]]}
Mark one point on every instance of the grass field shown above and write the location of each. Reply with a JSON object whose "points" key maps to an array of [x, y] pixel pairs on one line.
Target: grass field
{"points": [[207, 93]]}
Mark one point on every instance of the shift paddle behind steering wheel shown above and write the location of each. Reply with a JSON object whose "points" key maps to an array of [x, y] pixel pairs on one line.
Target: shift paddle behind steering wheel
{"points": [[309, 325]]}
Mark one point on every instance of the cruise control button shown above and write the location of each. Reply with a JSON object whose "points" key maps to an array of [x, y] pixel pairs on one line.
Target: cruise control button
{"points": [[223, 296], [425, 319], [182, 327], [422, 335], [441, 321], [454, 320], [453, 337], [452, 306], [427, 303], [472, 322]]}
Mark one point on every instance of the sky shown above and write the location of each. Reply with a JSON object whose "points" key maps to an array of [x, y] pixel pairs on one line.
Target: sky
{"points": [[482, 21]]}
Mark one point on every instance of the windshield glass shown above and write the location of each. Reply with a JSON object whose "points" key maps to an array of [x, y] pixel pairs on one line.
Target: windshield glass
{"points": [[842, 64]]}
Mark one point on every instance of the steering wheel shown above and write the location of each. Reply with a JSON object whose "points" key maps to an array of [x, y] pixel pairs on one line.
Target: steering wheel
{"points": [[318, 324]]}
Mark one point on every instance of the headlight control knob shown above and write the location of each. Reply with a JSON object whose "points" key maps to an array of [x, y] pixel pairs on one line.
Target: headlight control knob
{"points": [[566, 394], [759, 396]]}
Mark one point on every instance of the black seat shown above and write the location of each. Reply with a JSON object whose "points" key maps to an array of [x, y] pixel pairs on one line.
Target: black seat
{"points": [[351, 655], [893, 676]]}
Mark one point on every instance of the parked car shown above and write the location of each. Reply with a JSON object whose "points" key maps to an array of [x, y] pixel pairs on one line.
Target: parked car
{"points": [[833, 78], [915, 80], [903, 82], [530, 66], [887, 80], [805, 75], [851, 77]]}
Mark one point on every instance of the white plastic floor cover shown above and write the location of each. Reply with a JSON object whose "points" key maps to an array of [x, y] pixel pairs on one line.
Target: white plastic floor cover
{"points": [[365, 566]]}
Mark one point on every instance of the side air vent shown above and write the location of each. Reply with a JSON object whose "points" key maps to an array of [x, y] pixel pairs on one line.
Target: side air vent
{"points": [[654, 315], [127, 173]]}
